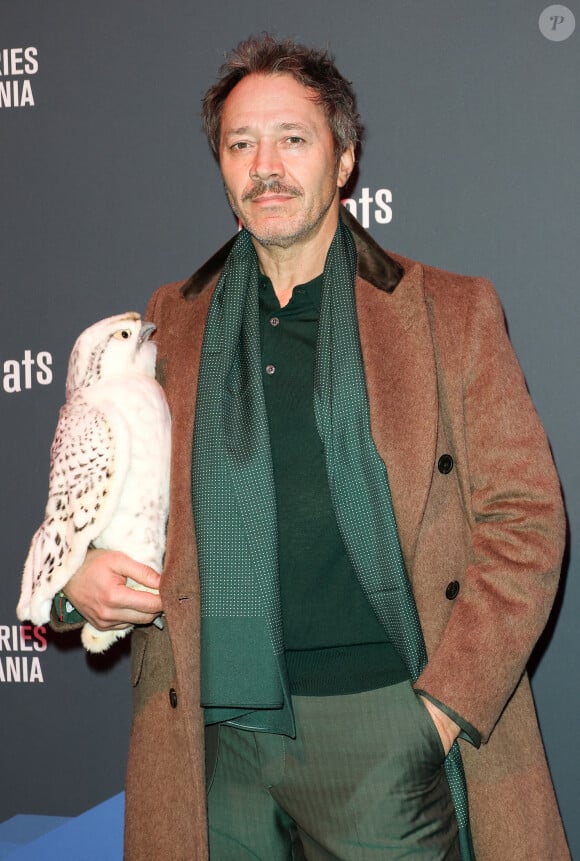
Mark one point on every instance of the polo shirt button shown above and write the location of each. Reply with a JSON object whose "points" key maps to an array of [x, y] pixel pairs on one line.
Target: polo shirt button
{"points": [[173, 698], [445, 464], [270, 369], [452, 590], [274, 321]]}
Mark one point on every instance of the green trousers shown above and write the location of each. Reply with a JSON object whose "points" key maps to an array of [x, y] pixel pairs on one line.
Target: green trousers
{"points": [[362, 781]]}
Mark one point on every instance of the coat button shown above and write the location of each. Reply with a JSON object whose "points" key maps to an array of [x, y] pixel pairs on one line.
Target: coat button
{"points": [[445, 464], [173, 698], [452, 590]]}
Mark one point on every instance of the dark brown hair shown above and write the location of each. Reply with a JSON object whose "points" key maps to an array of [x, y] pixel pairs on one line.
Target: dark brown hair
{"points": [[311, 67]]}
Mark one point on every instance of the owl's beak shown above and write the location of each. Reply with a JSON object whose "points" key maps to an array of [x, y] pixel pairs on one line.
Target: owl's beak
{"points": [[145, 332]]}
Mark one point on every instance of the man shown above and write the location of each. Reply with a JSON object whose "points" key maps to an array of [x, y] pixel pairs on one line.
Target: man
{"points": [[378, 529]]}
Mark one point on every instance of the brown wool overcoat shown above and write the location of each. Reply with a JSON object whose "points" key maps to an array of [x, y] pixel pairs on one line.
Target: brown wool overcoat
{"points": [[442, 380]]}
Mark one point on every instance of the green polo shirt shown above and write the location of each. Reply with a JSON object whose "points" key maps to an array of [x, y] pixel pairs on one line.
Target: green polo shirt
{"points": [[334, 642]]}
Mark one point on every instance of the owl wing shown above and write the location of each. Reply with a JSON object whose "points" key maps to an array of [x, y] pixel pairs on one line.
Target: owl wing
{"points": [[88, 464]]}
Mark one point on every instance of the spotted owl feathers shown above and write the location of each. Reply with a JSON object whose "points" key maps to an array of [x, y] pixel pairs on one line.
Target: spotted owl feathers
{"points": [[109, 467]]}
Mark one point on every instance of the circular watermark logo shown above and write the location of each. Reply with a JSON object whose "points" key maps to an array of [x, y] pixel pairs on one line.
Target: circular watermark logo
{"points": [[557, 23]]}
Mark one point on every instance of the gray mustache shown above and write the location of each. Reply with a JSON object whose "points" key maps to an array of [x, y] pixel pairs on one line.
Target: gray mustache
{"points": [[274, 187]]}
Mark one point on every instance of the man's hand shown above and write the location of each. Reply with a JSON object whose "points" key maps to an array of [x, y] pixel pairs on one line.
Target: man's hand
{"points": [[448, 730], [100, 593]]}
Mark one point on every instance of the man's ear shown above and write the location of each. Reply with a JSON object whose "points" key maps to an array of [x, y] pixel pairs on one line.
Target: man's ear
{"points": [[345, 166]]}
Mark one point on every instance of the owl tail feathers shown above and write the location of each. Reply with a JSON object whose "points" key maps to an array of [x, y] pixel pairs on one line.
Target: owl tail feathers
{"points": [[49, 565], [99, 641], [38, 612], [36, 593]]}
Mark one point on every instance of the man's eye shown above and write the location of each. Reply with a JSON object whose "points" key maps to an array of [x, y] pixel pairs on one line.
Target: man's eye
{"points": [[294, 139], [239, 145]]}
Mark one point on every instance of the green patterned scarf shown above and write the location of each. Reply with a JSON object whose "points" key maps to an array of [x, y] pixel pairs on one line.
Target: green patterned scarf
{"points": [[243, 673], [235, 508]]}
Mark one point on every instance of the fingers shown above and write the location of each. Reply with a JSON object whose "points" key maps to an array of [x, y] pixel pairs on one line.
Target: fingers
{"points": [[141, 574], [100, 593], [446, 727]]}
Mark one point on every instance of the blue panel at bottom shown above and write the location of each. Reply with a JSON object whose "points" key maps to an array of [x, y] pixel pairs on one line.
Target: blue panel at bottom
{"points": [[93, 836], [22, 829]]}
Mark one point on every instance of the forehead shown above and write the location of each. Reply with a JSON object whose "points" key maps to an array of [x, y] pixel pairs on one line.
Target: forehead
{"points": [[271, 100]]}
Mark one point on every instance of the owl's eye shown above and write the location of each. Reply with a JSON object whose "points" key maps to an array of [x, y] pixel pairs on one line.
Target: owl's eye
{"points": [[122, 334]]}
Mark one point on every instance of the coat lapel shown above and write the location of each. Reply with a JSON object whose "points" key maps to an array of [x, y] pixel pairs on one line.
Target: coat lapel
{"points": [[402, 388], [180, 375]]}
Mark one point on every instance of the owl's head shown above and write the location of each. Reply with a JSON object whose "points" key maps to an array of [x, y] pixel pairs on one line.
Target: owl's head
{"points": [[113, 347]]}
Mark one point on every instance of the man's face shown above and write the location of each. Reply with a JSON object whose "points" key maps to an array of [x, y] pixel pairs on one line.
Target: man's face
{"points": [[278, 160]]}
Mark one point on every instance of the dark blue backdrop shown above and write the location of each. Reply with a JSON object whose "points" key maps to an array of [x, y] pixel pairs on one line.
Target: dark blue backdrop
{"points": [[108, 189]]}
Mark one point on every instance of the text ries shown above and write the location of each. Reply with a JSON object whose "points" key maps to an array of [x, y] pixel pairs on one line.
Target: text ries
{"points": [[18, 643], [15, 88]]}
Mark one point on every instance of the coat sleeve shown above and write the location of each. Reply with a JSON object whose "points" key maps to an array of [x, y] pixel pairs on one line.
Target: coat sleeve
{"points": [[513, 503]]}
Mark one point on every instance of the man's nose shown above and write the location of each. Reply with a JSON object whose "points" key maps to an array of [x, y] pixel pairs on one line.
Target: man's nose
{"points": [[267, 162]]}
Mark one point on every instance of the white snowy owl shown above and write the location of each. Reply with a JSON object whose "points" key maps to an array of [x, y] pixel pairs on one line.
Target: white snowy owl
{"points": [[109, 467]]}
